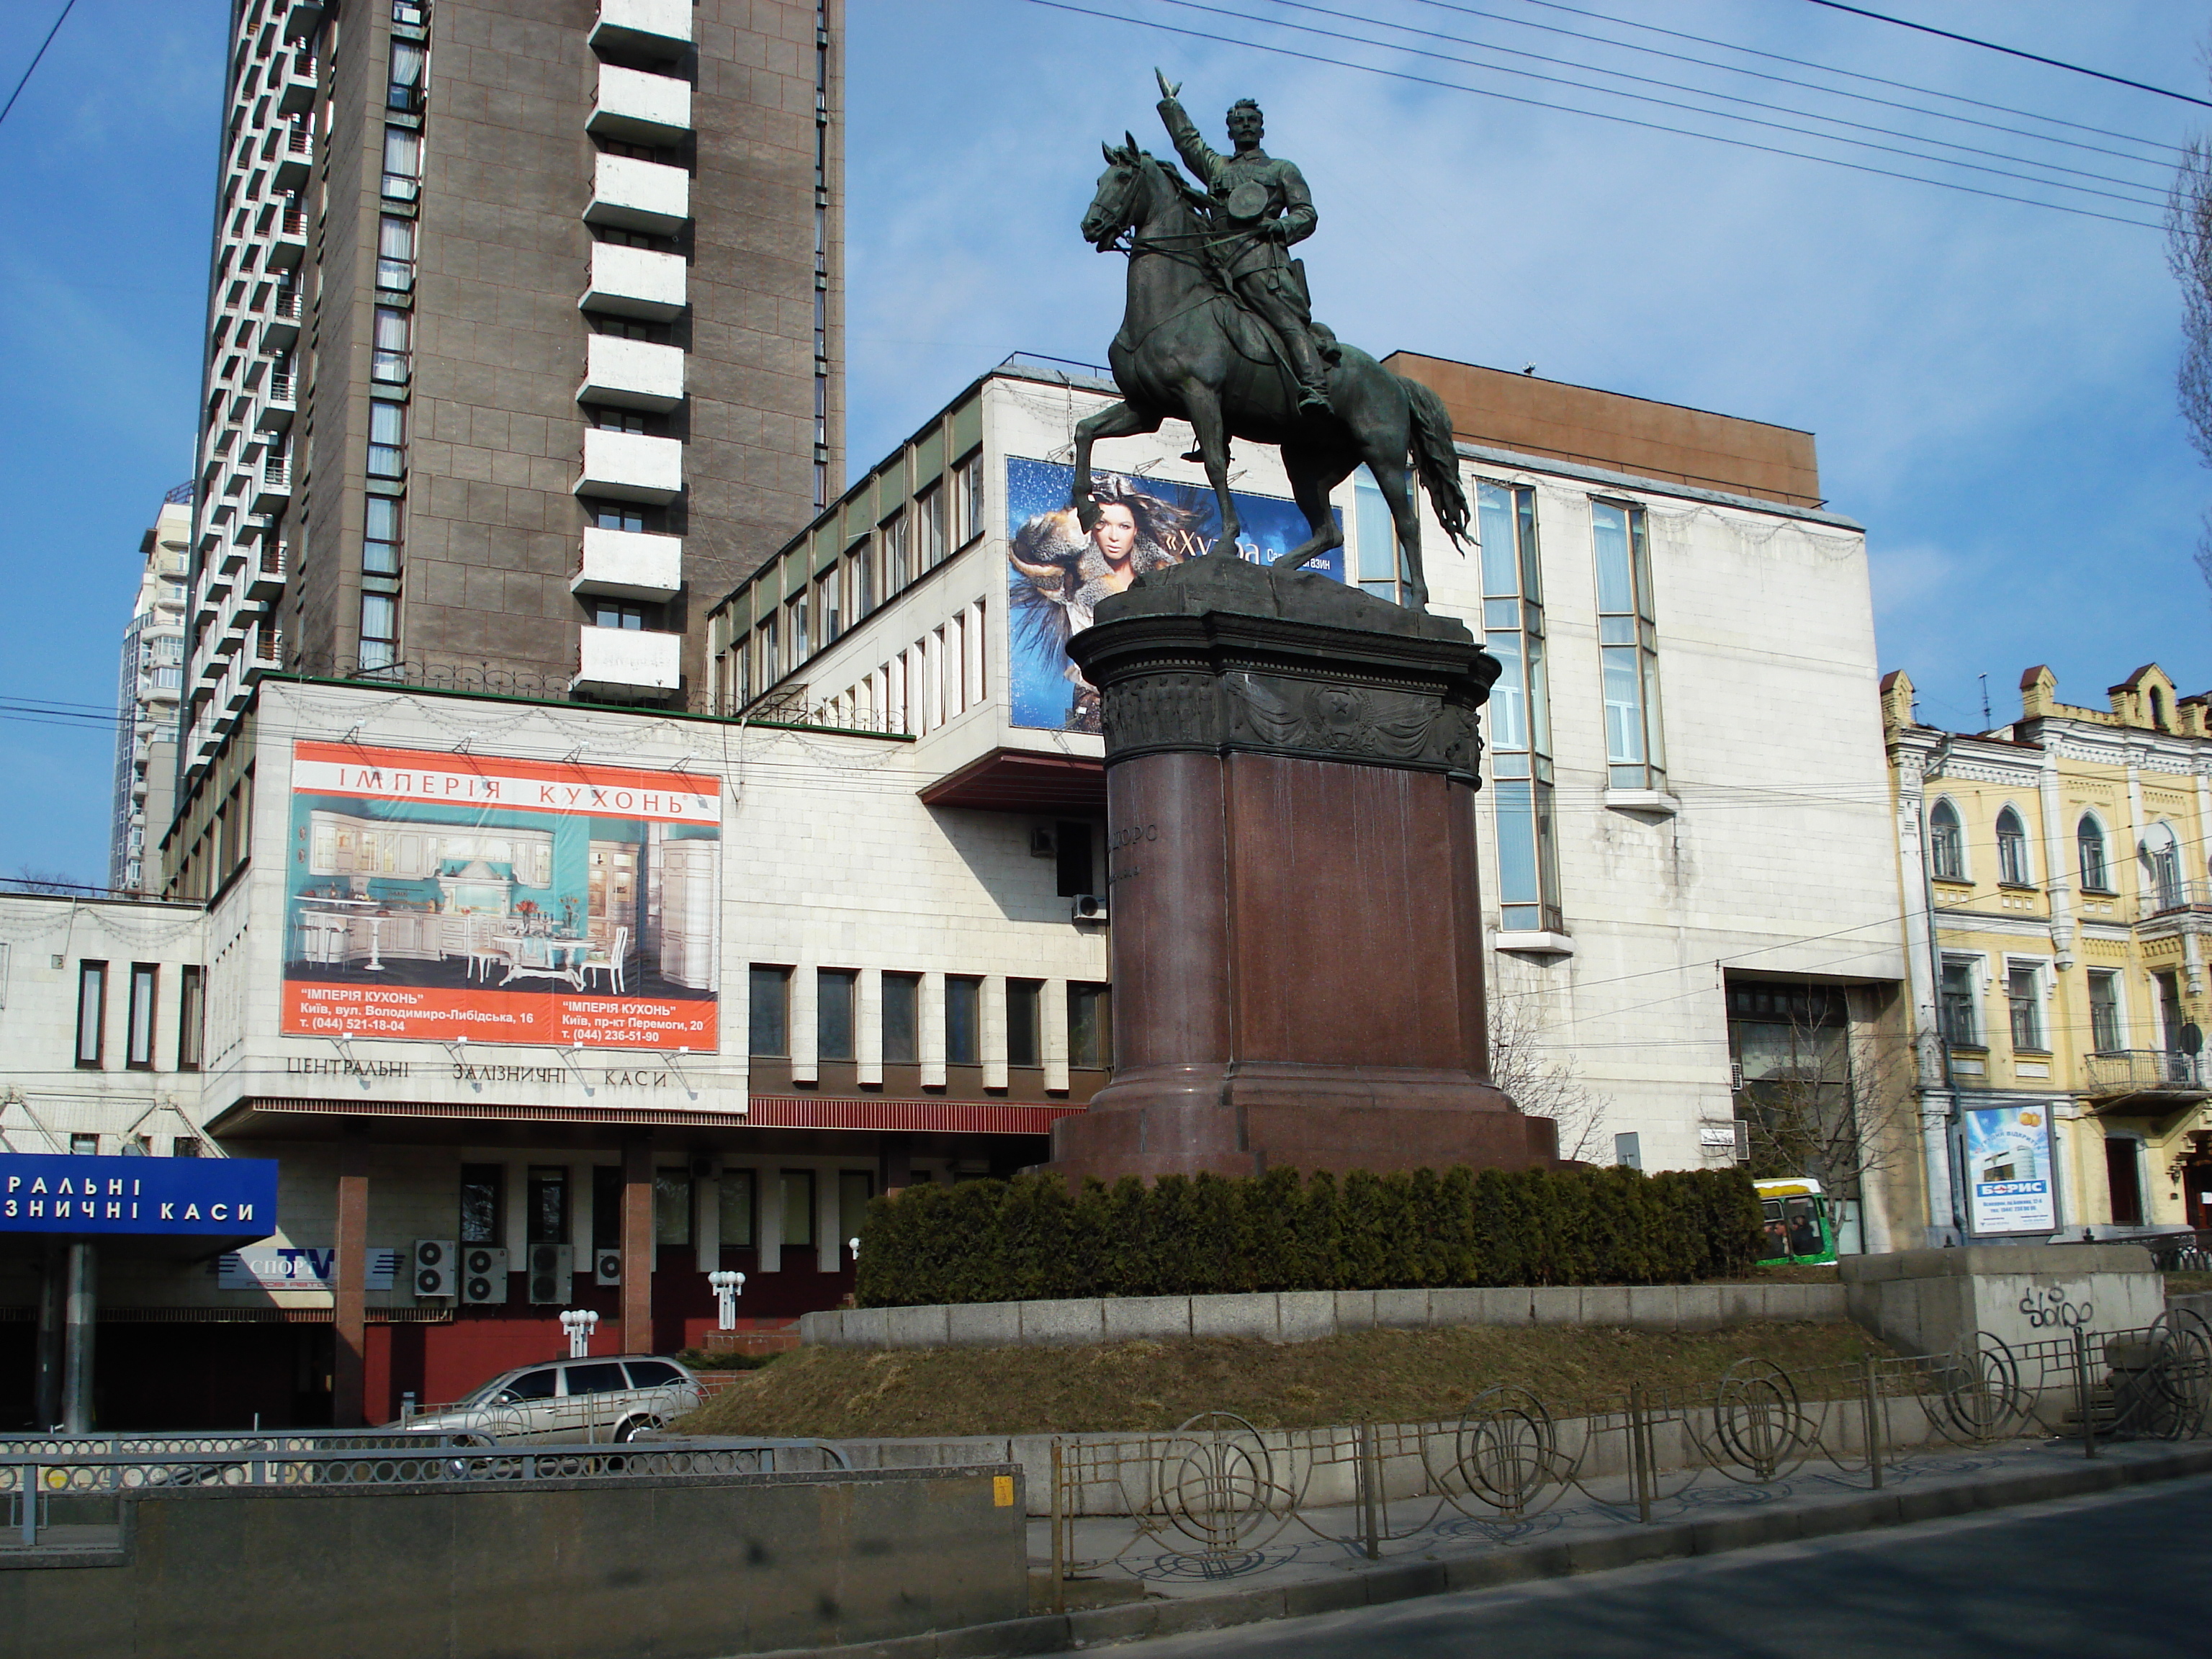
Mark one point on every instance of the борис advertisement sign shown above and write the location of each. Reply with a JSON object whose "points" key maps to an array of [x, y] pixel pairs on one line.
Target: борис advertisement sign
{"points": [[447, 897], [1057, 574], [2009, 1170]]}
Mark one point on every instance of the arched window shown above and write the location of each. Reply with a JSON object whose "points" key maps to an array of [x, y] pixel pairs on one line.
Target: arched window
{"points": [[2158, 708], [2012, 849], [1947, 842], [2163, 855], [2089, 838]]}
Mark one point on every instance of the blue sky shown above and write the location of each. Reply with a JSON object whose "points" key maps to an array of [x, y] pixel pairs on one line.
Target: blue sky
{"points": [[1991, 384]]}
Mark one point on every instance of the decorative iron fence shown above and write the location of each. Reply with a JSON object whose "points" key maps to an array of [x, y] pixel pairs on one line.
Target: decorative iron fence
{"points": [[1212, 1496]]}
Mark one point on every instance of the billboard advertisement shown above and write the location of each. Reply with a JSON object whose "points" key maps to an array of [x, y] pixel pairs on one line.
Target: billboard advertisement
{"points": [[1057, 574], [2008, 1187], [440, 896]]}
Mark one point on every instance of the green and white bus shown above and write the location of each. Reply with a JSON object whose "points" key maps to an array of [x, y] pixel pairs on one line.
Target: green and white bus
{"points": [[1798, 1227]]}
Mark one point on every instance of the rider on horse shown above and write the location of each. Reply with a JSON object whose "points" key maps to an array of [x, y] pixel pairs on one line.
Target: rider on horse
{"points": [[1263, 206]]}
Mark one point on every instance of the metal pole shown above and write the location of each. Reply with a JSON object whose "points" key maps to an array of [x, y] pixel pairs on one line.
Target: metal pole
{"points": [[1370, 1479], [46, 1411], [1059, 1549], [1639, 1453], [77, 1342], [1872, 1422], [33, 1479], [2082, 1392]]}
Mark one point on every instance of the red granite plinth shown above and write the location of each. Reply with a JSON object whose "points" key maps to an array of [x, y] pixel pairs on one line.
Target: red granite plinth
{"points": [[1297, 922]]}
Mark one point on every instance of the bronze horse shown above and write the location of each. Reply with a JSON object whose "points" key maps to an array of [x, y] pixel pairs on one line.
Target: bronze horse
{"points": [[1186, 349]]}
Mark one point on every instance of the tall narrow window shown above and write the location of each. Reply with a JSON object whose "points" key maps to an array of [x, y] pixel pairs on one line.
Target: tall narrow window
{"points": [[1628, 642], [829, 605], [2089, 839], [405, 89], [91, 1013], [395, 253], [2025, 1004], [1024, 1022], [1077, 865], [379, 631], [770, 1012], [2012, 850], [734, 1200], [799, 1208], [548, 1220], [929, 515], [902, 1018], [2104, 1012], [483, 1189], [964, 1001], [1520, 711], [2163, 853], [191, 1016], [1961, 1028], [1090, 1026], [145, 983], [394, 334], [861, 577], [969, 478], [897, 563], [832, 1013], [403, 164], [388, 438], [1381, 565], [802, 641], [672, 1206], [1947, 842]]}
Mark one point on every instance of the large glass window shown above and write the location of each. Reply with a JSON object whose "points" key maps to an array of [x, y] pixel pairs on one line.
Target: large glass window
{"points": [[2013, 869], [2104, 1012], [734, 1200], [902, 1018], [799, 1207], [1961, 1028], [1947, 842], [1024, 1022], [483, 1187], [2025, 1004], [672, 1206], [964, 1001], [548, 1219], [1090, 1026], [1519, 713], [404, 89], [832, 1013], [2096, 872], [1628, 645], [770, 1010], [1381, 565]]}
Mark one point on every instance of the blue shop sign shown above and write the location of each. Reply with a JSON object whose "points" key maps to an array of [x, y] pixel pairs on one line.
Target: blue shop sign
{"points": [[169, 1197]]}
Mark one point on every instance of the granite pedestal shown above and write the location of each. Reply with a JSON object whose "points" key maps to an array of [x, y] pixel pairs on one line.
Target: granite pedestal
{"points": [[1291, 769]]}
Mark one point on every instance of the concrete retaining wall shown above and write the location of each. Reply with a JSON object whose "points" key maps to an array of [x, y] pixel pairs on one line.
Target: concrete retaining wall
{"points": [[1924, 1301], [1309, 1316], [681, 1567]]}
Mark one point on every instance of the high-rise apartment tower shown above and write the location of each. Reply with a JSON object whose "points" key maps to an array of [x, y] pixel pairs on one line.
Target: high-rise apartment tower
{"points": [[526, 341], [146, 696]]}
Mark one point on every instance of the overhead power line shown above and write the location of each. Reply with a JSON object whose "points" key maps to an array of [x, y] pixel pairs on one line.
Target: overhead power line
{"points": [[1599, 115], [67, 7], [2151, 193], [2013, 51]]}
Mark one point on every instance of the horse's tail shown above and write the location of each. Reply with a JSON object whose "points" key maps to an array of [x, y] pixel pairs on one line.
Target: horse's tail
{"points": [[1436, 458]]}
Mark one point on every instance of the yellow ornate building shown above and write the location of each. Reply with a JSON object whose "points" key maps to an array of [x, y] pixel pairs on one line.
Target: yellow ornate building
{"points": [[2053, 883]]}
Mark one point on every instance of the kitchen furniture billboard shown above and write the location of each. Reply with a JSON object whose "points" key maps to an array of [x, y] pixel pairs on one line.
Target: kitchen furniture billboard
{"points": [[1058, 573], [447, 897], [2009, 1170]]}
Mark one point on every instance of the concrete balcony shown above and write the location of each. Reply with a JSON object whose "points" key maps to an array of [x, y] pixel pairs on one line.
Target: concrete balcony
{"points": [[624, 663], [634, 281], [272, 490], [287, 240], [304, 19], [651, 109], [629, 467], [627, 564], [280, 328], [296, 90], [2138, 1081], [265, 577], [639, 195], [264, 648], [644, 28], [631, 373], [292, 153], [278, 404]]}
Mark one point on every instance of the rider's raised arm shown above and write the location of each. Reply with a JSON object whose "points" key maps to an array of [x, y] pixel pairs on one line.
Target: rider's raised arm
{"points": [[1299, 216], [1200, 158]]}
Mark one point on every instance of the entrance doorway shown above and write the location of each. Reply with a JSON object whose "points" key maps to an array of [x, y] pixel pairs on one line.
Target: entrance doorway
{"points": [[2123, 1177]]}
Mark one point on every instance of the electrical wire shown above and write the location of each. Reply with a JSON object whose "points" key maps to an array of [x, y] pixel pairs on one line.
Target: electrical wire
{"points": [[1814, 86], [2153, 193], [1852, 75], [1600, 115], [67, 7], [2013, 51]]}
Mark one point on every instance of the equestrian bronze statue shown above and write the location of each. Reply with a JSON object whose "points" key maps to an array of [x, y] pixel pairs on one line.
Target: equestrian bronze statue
{"points": [[1217, 330]]}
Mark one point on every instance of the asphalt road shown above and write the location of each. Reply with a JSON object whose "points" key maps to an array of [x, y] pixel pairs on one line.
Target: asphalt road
{"points": [[2108, 1577]]}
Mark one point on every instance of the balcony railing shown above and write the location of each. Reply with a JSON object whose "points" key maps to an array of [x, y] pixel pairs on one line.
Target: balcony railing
{"points": [[289, 244], [282, 327], [294, 150], [2167, 898], [2119, 1073], [265, 581]]}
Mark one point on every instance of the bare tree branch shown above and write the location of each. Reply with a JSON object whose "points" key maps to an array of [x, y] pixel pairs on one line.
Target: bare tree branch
{"points": [[1540, 1082]]}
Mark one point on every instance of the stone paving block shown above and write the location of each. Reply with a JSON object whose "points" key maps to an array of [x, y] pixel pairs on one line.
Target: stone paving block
{"points": [[916, 1328], [1251, 1314], [1146, 1318], [1355, 1310], [1305, 1316], [1556, 1304], [1054, 1324], [1400, 1310], [984, 1325]]}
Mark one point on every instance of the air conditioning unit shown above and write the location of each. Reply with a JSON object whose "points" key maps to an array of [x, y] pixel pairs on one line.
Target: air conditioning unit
{"points": [[432, 1267], [484, 1275], [1090, 907], [606, 1267], [552, 1268]]}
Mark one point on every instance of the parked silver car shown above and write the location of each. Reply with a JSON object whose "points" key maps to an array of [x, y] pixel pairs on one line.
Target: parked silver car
{"points": [[570, 1400]]}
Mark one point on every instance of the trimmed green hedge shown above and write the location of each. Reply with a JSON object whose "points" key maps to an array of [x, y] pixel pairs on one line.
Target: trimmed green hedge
{"points": [[1031, 1237]]}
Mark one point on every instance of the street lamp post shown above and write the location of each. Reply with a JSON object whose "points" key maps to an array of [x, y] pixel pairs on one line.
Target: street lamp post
{"points": [[726, 1285], [578, 1323]]}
